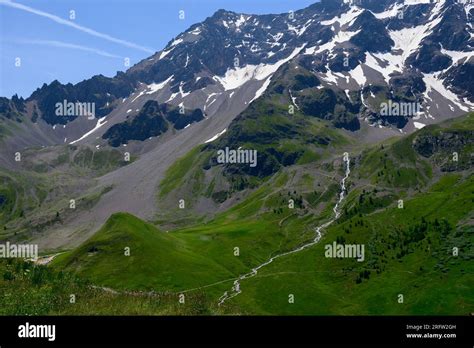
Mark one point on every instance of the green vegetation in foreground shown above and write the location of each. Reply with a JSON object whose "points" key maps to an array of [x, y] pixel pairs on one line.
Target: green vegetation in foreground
{"points": [[164, 261], [29, 289], [408, 251], [178, 261]]}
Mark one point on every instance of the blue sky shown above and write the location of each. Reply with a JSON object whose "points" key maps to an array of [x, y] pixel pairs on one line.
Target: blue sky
{"points": [[52, 46]]}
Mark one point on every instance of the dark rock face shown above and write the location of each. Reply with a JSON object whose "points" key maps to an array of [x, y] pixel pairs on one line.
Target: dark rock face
{"points": [[373, 35], [181, 120], [151, 121], [320, 104], [12, 109], [453, 22], [397, 121], [461, 78], [305, 81], [228, 40], [148, 123], [374, 5], [326, 104], [413, 16], [99, 90], [428, 144], [346, 120], [451, 33], [429, 58], [267, 165], [407, 85], [354, 56], [441, 147]]}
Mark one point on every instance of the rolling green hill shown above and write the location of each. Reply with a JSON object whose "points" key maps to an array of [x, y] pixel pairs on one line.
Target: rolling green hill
{"points": [[408, 250], [156, 259]]}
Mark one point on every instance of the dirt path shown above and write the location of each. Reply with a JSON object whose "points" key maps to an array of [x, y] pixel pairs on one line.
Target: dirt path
{"points": [[44, 260]]}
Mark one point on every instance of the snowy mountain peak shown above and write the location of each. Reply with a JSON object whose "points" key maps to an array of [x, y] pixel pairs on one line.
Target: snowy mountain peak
{"points": [[373, 49]]}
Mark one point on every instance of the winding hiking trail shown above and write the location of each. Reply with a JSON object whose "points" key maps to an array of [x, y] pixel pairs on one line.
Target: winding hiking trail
{"points": [[236, 288]]}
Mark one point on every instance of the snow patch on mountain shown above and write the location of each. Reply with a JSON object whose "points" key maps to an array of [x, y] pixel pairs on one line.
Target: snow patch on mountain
{"points": [[409, 39], [100, 123], [342, 36], [293, 99], [391, 63], [212, 95], [172, 97], [262, 89], [301, 30], [345, 18], [436, 12], [358, 75], [182, 92], [215, 137], [164, 53], [393, 11], [155, 87], [196, 31], [235, 78], [433, 82], [176, 42], [416, 2], [457, 56], [138, 96], [332, 77], [240, 21], [419, 125]]}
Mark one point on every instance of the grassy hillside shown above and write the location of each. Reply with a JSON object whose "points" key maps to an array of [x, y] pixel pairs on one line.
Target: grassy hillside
{"points": [[286, 143], [163, 260], [29, 289], [409, 251]]}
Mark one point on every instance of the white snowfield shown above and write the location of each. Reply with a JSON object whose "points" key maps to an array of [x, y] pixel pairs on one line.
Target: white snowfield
{"points": [[419, 125], [433, 82], [215, 137], [262, 89], [341, 37], [100, 123], [155, 87], [406, 42], [235, 78], [345, 18]]}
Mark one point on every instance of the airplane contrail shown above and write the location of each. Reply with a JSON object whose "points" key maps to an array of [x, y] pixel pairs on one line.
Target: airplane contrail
{"points": [[55, 43], [68, 23]]}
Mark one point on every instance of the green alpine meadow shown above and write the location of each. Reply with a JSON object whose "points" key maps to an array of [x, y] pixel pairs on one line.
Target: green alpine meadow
{"points": [[313, 162]]}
